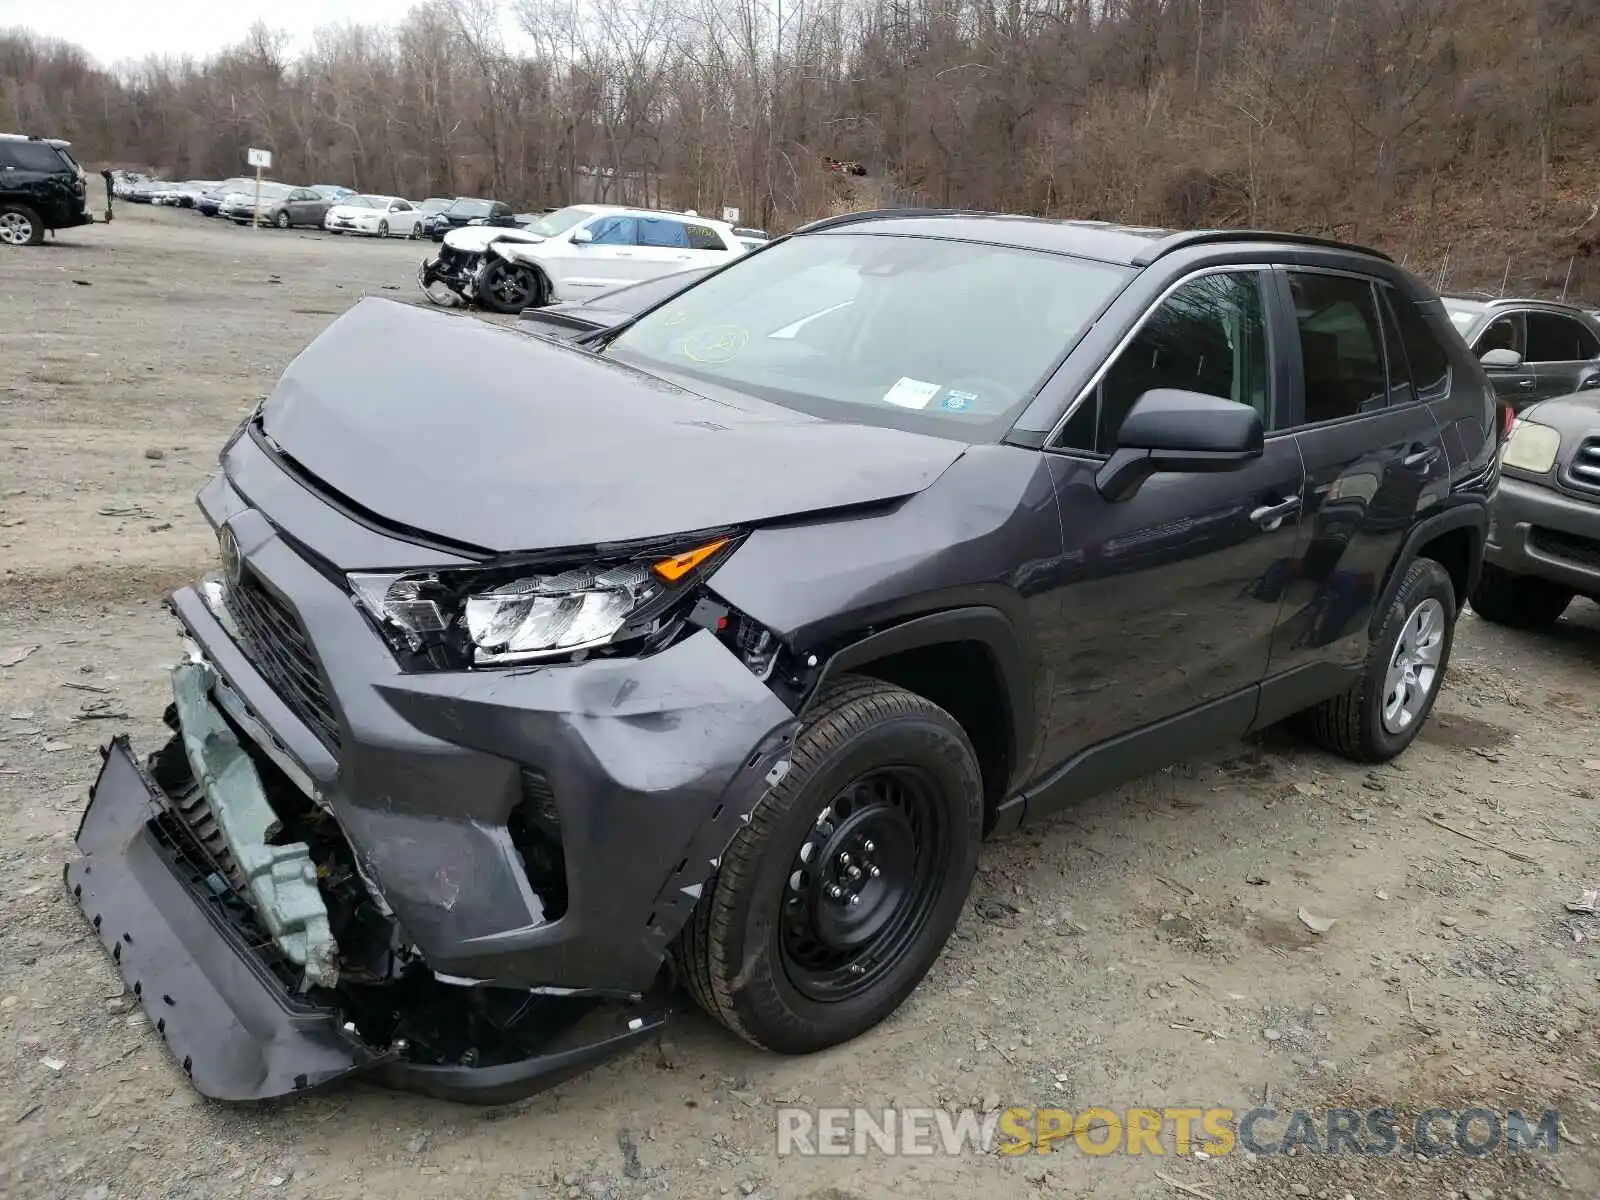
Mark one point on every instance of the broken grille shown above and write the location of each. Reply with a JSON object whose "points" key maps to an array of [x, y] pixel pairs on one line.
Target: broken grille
{"points": [[277, 645]]}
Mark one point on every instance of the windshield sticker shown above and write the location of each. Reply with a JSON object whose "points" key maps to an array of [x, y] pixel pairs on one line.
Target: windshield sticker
{"points": [[911, 393], [955, 401]]}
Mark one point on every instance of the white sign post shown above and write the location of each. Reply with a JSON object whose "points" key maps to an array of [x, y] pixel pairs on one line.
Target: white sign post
{"points": [[260, 160], [731, 215]]}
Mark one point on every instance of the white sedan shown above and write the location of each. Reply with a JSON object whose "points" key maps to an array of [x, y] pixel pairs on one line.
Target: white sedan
{"points": [[376, 216]]}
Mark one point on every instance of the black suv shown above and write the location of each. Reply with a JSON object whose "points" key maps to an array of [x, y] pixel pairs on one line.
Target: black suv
{"points": [[539, 677], [41, 188], [1531, 349], [464, 210]]}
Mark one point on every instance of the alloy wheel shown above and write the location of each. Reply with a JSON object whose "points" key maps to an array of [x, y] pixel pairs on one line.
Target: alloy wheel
{"points": [[862, 884], [15, 229], [1414, 667], [513, 287]]}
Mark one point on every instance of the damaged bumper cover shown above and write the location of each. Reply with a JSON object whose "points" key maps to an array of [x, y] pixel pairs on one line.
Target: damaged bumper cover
{"points": [[188, 951], [640, 771]]}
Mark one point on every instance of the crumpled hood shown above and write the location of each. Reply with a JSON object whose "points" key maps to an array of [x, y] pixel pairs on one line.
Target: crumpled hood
{"points": [[475, 239], [497, 440]]}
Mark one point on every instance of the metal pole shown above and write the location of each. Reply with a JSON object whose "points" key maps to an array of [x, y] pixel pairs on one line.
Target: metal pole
{"points": [[1566, 283], [255, 219]]}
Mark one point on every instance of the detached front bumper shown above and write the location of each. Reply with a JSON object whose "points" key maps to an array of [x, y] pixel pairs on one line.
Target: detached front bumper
{"points": [[1537, 530], [191, 952]]}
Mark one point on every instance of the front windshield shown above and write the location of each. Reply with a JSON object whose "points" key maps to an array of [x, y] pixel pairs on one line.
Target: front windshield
{"points": [[376, 201], [559, 221], [884, 329], [1462, 316], [355, 202], [471, 208], [434, 205]]}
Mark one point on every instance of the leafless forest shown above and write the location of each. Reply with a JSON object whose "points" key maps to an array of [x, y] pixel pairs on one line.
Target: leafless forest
{"points": [[1463, 134]]}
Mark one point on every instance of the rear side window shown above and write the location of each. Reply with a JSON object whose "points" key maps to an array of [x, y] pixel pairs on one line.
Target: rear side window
{"points": [[31, 156], [658, 231], [703, 237], [1427, 359], [1554, 338], [1341, 345]]}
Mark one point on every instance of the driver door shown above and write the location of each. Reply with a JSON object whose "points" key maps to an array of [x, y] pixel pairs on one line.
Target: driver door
{"points": [[1170, 598], [1516, 385], [610, 259]]}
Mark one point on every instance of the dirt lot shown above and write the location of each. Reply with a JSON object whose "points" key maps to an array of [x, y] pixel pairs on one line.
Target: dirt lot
{"points": [[1143, 950]]}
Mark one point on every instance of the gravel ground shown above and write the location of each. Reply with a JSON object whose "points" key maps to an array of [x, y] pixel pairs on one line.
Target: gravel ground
{"points": [[1143, 950]]}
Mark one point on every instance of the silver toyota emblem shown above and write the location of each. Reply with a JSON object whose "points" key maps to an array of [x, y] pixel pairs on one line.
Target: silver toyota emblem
{"points": [[232, 563]]}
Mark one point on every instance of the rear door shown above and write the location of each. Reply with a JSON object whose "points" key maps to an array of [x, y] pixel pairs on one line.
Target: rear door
{"points": [[708, 246], [1374, 458], [1563, 351], [304, 207], [663, 247]]}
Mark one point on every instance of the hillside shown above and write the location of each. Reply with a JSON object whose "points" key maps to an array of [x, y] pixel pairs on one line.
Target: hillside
{"points": [[1461, 135]]}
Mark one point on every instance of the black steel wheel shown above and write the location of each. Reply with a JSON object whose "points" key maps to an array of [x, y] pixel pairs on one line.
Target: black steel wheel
{"points": [[838, 896], [863, 884]]}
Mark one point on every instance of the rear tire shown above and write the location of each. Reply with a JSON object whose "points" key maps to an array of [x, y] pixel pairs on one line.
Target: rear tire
{"points": [[884, 783], [20, 225], [1519, 601], [383, 229], [1383, 713]]}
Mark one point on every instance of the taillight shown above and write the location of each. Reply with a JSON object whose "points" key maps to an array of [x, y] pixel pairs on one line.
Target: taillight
{"points": [[1508, 418]]}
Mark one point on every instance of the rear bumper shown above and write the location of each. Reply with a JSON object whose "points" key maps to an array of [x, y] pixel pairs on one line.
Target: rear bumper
{"points": [[186, 950], [1536, 530]]}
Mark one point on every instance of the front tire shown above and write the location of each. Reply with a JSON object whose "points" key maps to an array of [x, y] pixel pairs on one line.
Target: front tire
{"points": [[1519, 601], [383, 229], [508, 288], [282, 220], [834, 901], [20, 225], [1383, 713]]}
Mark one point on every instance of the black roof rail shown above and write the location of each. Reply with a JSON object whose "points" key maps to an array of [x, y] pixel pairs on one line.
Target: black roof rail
{"points": [[1202, 237]]}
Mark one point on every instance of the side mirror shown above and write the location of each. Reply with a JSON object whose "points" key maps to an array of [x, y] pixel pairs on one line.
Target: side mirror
{"points": [[582, 237], [1502, 358], [1168, 429]]}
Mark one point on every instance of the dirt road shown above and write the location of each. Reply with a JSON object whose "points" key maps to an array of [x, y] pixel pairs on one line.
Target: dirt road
{"points": [[1145, 950]]}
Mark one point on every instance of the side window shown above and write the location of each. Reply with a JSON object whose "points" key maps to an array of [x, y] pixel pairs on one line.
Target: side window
{"points": [[400, 206], [659, 231], [6, 159], [1208, 336], [1341, 345], [36, 156], [500, 210], [703, 237], [1430, 364], [1503, 333], [1554, 338], [615, 231]]}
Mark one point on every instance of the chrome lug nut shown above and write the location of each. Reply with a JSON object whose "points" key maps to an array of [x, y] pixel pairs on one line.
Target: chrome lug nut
{"points": [[835, 891], [874, 872], [855, 898], [844, 858], [868, 846], [855, 872]]}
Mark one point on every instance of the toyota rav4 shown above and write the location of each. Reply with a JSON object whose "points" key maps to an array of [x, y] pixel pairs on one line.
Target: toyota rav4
{"points": [[538, 679]]}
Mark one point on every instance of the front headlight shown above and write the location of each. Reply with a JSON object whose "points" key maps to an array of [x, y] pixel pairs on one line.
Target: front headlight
{"points": [[1531, 447], [496, 616]]}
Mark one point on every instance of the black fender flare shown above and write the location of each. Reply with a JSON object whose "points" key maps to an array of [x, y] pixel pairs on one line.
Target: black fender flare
{"points": [[985, 625], [1462, 516]]}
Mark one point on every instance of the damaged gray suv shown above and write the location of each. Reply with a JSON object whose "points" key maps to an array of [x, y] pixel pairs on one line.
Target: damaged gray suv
{"points": [[542, 682]]}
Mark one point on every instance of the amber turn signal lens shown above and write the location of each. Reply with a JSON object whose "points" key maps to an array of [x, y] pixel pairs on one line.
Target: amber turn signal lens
{"points": [[675, 568]]}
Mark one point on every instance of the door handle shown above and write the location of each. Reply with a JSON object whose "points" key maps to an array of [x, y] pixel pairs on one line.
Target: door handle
{"points": [[1270, 516], [1419, 455], [1525, 384]]}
